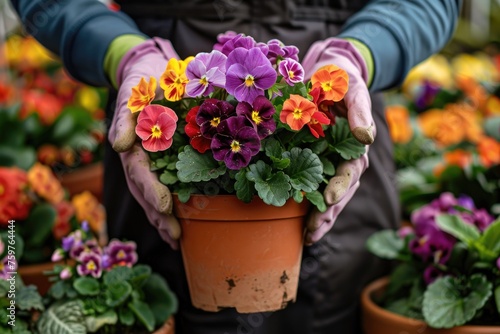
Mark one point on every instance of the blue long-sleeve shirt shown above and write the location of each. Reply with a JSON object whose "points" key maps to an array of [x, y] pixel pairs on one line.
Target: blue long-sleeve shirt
{"points": [[399, 33]]}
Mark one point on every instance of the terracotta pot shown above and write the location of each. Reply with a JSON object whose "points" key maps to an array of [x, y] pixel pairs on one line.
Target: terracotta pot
{"points": [[377, 320], [168, 328], [88, 177], [33, 274], [245, 256]]}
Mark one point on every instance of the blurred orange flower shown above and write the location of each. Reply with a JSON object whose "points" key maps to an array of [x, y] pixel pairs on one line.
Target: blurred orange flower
{"points": [[62, 225], [472, 90], [492, 106], [14, 201], [48, 154], [45, 184], [89, 209], [47, 106], [398, 120], [6, 93], [489, 151], [452, 125]]}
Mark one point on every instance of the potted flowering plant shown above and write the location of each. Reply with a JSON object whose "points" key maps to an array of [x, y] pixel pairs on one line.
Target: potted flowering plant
{"points": [[48, 117], [448, 272], [239, 122], [104, 290]]}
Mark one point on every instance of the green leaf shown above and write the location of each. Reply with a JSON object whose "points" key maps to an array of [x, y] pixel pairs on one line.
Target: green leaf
{"points": [[126, 316], [168, 177], [328, 167], [244, 187], [455, 226], [140, 273], [317, 199], [344, 142], [22, 157], [319, 146], [58, 289], [28, 298], [117, 274], [160, 298], [93, 323], [184, 192], [63, 127], [385, 244], [39, 224], [62, 318], [297, 195], [117, 293], [274, 189], [4, 288], [306, 172], [86, 286], [497, 298], [143, 312], [451, 301], [195, 167], [490, 240], [273, 148]]}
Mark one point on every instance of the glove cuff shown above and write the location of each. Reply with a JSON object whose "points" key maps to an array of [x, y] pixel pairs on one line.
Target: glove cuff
{"points": [[150, 46]]}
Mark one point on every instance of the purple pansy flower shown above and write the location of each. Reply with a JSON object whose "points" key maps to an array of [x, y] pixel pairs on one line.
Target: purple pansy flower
{"points": [[90, 265], [428, 92], [482, 219], [405, 231], [71, 240], [206, 71], [498, 263], [6, 267], [89, 246], [291, 52], [121, 253], [431, 273], [248, 74], [466, 202], [260, 114], [238, 41], [277, 50], [223, 38], [235, 143], [210, 114], [291, 71]]}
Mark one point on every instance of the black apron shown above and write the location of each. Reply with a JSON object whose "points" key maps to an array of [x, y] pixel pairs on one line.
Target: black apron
{"points": [[335, 269]]}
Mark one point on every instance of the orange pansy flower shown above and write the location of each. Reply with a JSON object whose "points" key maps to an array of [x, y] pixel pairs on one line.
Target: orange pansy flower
{"points": [[45, 184], [489, 151], [142, 95], [88, 208], [297, 111], [398, 120], [332, 80]]}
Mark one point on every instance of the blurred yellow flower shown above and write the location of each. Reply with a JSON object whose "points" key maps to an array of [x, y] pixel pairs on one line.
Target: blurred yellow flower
{"points": [[478, 66], [27, 53], [45, 184], [435, 69], [88, 98], [398, 120]]}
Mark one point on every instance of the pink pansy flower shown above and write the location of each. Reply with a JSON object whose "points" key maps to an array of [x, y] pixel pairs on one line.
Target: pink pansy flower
{"points": [[156, 125]]}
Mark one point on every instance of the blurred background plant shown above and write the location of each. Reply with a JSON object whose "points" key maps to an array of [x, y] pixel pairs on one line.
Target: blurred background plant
{"points": [[43, 212]]}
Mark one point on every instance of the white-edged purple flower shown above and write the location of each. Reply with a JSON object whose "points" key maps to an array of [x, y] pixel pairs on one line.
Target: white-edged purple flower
{"points": [[90, 265], [6, 267], [291, 71], [120, 253], [89, 246], [206, 71], [248, 74]]}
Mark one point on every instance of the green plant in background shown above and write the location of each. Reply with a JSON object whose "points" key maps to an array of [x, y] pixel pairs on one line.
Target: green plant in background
{"points": [[103, 290], [448, 264]]}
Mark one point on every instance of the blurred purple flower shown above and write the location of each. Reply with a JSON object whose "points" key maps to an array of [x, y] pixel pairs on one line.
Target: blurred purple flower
{"points": [[428, 92], [66, 273], [466, 202], [85, 226], [431, 273], [235, 143], [405, 231], [120, 253], [482, 219], [58, 255], [90, 265], [498, 263], [445, 202], [6, 267], [210, 114], [88, 247], [260, 114], [291, 71], [206, 71], [248, 74]]}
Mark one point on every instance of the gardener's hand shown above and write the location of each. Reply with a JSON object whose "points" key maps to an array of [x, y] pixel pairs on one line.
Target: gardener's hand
{"points": [[356, 106], [143, 61]]}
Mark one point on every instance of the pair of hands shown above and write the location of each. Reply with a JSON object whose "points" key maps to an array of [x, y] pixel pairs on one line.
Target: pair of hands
{"points": [[150, 59]]}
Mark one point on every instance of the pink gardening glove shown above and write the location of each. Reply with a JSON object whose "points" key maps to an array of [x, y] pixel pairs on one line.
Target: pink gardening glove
{"points": [[357, 101], [146, 59]]}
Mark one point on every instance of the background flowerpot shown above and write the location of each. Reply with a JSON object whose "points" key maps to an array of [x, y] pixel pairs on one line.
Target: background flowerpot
{"points": [[377, 320], [88, 177], [241, 255], [33, 274], [168, 328]]}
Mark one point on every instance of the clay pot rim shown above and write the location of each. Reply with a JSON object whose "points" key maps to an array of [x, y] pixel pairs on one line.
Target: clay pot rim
{"points": [[368, 304]]}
